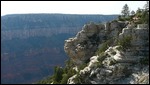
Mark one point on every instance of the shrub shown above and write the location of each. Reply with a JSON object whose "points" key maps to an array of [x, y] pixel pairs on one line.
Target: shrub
{"points": [[119, 48], [125, 42], [64, 79], [102, 56], [98, 64], [104, 46], [145, 60], [58, 74], [78, 78]]}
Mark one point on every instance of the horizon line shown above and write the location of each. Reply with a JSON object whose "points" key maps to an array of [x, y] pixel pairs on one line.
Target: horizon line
{"points": [[56, 13]]}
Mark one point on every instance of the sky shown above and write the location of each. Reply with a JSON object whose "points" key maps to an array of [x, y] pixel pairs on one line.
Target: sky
{"points": [[68, 7]]}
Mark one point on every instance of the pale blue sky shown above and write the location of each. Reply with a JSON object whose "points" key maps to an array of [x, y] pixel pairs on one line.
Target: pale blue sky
{"points": [[68, 7]]}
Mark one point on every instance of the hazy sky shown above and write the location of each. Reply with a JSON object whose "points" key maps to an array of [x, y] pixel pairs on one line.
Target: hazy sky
{"points": [[68, 7]]}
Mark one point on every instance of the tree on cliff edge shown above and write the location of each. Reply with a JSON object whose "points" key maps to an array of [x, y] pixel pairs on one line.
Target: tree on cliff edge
{"points": [[125, 11]]}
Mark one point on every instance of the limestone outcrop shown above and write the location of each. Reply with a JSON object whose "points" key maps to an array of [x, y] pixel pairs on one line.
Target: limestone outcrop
{"points": [[124, 61], [85, 43]]}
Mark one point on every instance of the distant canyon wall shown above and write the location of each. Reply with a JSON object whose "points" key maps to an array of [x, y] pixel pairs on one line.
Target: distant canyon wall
{"points": [[26, 33]]}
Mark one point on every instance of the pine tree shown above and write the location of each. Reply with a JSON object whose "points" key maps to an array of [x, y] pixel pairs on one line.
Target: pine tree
{"points": [[58, 74], [132, 12], [146, 6], [125, 11]]}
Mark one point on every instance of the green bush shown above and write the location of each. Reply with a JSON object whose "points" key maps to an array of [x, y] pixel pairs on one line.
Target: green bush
{"points": [[115, 21], [82, 66], [125, 18], [145, 60], [61, 75], [47, 80], [119, 48], [64, 79], [145, 17], [104, 46], [121, 19], [102, 56], [98, 64], [125, 42], [77, 79], [58, 74]]}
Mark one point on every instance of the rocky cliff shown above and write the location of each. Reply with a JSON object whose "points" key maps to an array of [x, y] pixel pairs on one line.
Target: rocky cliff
{"points": [[113, 53]]}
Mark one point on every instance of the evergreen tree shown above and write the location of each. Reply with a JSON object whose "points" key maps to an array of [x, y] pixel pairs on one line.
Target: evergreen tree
{"points": [[145, 14], [58, 74], [64, 79], [125, 11], [146, 6], [138, 11], [132, 12], [145, 17]]}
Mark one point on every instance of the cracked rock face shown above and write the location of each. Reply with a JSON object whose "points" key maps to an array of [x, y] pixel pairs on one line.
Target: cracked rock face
{"points": [[85, 43], [115, 65], [83, 46]]}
